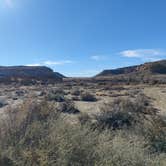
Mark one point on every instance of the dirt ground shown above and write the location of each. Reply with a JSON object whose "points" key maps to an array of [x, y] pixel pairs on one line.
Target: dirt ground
{"points": [[12, 96]]}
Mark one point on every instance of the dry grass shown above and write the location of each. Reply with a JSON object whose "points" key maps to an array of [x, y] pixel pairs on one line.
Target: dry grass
{"points": [[158, 95], [41, 136], [43, 133]]}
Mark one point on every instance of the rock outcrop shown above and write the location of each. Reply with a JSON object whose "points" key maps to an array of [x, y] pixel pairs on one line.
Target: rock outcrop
{"points": [[29, 73], [158, 67]]}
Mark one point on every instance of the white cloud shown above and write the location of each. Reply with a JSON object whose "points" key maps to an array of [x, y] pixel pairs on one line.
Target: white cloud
{"points": [[144, 54], [35, 64], [98, 57], [51, 63]]}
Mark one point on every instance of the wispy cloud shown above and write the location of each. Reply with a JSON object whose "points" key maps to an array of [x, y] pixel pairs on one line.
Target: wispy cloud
{"points": [[98, 57], [54, 63], [144, 54], [51, 63]]}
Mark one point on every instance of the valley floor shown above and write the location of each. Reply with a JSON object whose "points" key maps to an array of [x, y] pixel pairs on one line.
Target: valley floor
{"points": [[83, 124], [12, 96]]}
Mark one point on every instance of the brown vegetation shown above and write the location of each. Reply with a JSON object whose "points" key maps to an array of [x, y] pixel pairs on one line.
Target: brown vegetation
{"points": [[37, 134]]}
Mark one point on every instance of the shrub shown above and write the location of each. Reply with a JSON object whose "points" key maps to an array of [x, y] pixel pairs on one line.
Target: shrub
{"points": [[5, 161], [84, 118], [76, 92], [155, 134], [112, 116], [123, 113], [56, 97], [68, 107], [120, 150], [88, 97], [75, 144], [20, 93], [37, 134], [58, 91], [3, 103], [75, 98]]}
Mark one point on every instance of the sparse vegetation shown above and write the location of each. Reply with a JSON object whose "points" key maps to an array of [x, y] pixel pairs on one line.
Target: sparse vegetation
{"points": [[68, 107], [123, 113], [41, 136], [84, 118], [75, 92], [56, 97], [65, 124], [3, 103], [88, 97]]}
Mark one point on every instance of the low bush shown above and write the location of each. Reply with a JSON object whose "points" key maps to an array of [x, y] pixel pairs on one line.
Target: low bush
{"points": [[155, 134], [37, 134], [5, 161], [84, 118], [124, 113], [88, 97], [75, 98], [57, 91], [56, 97], [68, 107], [3, 103], [75, 92], [123, 150]]}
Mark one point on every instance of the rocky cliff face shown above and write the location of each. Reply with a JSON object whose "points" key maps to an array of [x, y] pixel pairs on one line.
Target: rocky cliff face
{"points": [[158, 67], [29, 72]]}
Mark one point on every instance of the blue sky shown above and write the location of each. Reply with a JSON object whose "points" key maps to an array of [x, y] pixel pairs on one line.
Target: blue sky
{"points": [[82, 37]]}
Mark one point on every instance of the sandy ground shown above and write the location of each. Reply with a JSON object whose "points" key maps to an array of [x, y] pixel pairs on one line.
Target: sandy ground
{"points": [[158, 95], [14, 96]]}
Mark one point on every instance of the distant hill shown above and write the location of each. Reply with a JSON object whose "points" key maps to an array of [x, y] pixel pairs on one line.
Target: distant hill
{"points": [[158, 67], [28, 73]]}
